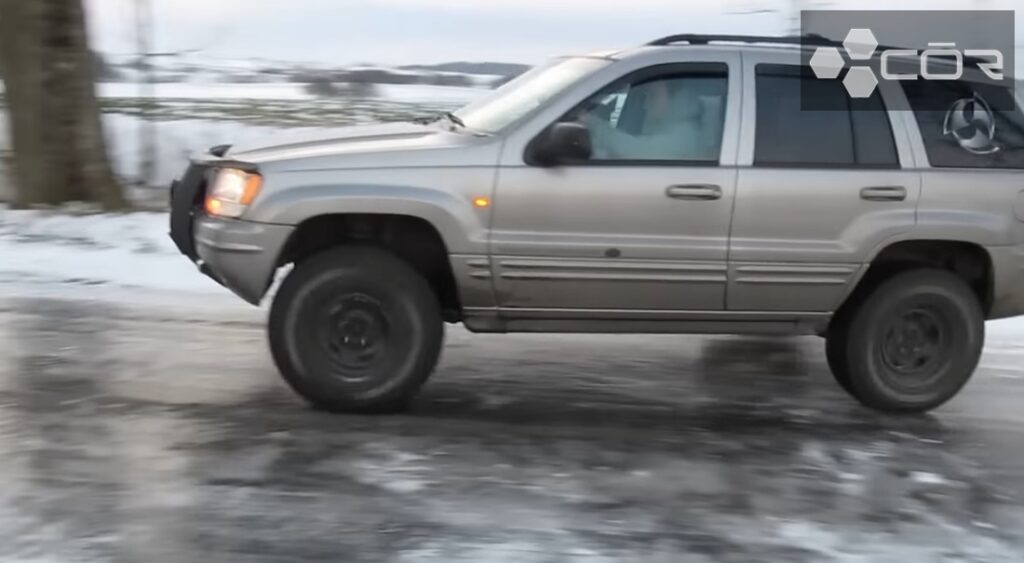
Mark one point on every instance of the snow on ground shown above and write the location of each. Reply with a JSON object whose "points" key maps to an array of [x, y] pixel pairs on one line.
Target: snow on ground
{"points": [[56, 250], [429, 93], [206, 91], [39, 248]]}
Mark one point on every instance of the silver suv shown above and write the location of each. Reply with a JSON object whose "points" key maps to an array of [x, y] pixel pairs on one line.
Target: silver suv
{"points": [[673, 188]]}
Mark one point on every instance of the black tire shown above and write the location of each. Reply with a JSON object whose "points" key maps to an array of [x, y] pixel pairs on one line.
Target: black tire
{"points": [[912, 343], [835, 353], [355, 329]]}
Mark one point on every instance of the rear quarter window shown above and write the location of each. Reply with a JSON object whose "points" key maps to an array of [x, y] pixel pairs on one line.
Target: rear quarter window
{"points": [[968, 133]]}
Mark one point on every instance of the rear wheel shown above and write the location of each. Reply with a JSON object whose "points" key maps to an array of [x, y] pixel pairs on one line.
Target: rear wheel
{"points": [[355, 329], [911, 344]]}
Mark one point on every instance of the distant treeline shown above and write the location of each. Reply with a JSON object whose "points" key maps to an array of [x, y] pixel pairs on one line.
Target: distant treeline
{"points": [[382, 76], [497, 69], [363, 82], [358, 81]]}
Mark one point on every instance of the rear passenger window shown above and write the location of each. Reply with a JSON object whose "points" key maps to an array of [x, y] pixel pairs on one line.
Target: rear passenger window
{"points": [[969, 133], [787, 136]]}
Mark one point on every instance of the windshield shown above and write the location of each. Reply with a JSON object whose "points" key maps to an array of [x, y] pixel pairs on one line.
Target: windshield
{"points": [[527, 92]]}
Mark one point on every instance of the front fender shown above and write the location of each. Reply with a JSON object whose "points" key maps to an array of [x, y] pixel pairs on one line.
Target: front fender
{"points": [[460, 224]]}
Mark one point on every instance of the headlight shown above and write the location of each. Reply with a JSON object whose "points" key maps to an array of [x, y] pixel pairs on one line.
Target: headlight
{"points": [[231, 192]]}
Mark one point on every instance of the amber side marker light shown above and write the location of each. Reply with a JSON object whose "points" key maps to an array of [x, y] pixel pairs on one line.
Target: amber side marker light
{"points": [[482, 202]]}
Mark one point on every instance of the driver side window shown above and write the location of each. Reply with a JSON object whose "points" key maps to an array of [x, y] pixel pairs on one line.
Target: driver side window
{"points": [[668, 116]]}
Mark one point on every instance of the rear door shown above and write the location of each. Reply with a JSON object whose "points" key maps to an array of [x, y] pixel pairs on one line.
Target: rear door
{"points": [[819, 191]]}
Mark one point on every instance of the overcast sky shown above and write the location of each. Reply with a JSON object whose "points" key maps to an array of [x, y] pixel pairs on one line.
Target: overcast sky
{"points": [[425, 31]]}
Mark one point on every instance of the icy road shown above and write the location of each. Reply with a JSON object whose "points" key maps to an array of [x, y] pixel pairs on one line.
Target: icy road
{"points": [[142, 420]]}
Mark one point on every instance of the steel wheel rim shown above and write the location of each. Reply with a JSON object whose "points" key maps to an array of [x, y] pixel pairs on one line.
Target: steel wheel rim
{"points": [[914, 345], [354, 335]]}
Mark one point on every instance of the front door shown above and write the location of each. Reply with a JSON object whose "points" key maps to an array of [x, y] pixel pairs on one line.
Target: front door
{"points": [[640, 227]]}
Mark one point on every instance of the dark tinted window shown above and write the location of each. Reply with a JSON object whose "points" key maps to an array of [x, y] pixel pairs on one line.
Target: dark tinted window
{"points": [[969, 133], [786, 135]]}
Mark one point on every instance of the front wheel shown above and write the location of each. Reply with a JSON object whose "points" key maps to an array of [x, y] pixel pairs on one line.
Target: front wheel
{"points": [[355, 329], [835, 354], [911, 344]]}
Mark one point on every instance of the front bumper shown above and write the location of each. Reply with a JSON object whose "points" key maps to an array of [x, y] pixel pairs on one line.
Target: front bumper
{"points": [[240, 255]]}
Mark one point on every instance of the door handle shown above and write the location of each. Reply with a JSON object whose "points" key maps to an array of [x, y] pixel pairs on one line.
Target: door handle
{"points": [[884, 193], [694, 192]]}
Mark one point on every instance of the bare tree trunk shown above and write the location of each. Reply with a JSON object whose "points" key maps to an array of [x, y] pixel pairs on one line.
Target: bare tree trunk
{"points": [[59, 150]]}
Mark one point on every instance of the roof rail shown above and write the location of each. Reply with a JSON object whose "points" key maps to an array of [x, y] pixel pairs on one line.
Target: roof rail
{"points": [[809, 40], [699, 39]]}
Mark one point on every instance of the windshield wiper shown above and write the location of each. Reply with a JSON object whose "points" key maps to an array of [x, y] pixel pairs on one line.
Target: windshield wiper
{"points": [[454, 119]]}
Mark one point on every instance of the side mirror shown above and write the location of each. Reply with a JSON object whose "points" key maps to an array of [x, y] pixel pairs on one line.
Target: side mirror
{"points": [[562, 143]]}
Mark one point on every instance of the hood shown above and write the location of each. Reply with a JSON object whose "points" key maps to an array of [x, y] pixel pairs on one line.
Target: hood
{"points": [[346, 140]]}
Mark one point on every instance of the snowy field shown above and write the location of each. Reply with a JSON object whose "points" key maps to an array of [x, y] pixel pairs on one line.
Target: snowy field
{"points": [[192, 117], [282, 91], [50, 250]]}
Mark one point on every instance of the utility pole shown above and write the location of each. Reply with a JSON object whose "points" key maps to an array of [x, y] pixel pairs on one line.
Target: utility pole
{"points": [[147, 131], [791, 12], [795, 7]]}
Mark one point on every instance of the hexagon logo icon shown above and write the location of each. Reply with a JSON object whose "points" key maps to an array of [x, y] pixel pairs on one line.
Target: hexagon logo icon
{"points": [[827, 63], [864, 49], [860, 44], [860, 82]]}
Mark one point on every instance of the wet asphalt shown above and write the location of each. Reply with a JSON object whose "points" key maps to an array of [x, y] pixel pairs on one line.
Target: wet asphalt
{"points": [[152, 431]]}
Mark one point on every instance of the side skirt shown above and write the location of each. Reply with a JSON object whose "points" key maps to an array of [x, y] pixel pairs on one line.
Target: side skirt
{"points": [[644, 321]]}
